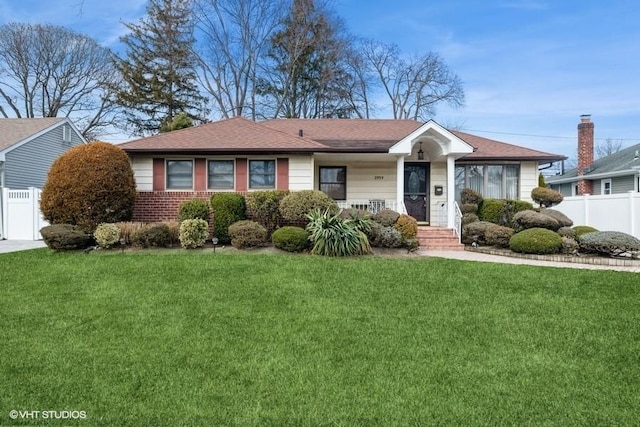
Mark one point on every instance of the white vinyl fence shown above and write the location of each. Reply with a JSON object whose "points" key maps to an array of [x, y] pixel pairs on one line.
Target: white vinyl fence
{"points": [[20, 214], [613, 212]]}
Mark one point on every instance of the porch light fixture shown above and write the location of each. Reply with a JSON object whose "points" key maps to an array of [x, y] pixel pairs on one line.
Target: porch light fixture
{"points": [[420, 152]]}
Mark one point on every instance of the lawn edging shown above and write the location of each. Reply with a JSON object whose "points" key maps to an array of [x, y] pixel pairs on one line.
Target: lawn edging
{"points": [[575, 259]]}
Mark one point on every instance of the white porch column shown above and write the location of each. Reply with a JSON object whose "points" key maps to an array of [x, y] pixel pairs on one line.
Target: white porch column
{"points": [[400, 183], [451, 191]]}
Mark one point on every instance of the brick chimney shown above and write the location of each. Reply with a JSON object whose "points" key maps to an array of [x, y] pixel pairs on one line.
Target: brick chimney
{"points": [[585, 153]]}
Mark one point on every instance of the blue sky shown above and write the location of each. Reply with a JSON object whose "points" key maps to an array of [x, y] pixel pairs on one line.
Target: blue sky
{"points": [[529, 67]]}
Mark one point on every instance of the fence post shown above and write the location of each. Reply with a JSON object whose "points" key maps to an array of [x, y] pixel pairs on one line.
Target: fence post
{"points": [[586, 209], [35, 212]]}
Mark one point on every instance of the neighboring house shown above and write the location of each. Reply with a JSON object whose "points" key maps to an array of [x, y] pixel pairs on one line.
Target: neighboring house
{"points": [[418, 168], [614, 174], [28, 147]]}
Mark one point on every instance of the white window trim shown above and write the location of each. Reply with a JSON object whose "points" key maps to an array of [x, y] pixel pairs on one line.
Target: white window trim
{"points": [[574, 189], [275, 180], [166, 173], [602, 186], [221, 190]]}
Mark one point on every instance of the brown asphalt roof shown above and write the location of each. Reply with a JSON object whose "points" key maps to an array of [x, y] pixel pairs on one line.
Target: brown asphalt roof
{"points": [[13, 131], [319, 135], [231, 135]]}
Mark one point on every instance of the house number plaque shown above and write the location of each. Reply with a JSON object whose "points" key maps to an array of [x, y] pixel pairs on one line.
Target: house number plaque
{"points": [[378, 177]]}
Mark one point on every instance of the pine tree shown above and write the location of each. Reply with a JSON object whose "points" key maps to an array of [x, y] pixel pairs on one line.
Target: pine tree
{"points": [[158, 71]]}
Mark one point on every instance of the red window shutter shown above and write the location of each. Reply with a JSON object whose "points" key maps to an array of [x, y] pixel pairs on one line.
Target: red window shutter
{"points": [[201, 175], [158, 175], [241, 174], [282, 180]]}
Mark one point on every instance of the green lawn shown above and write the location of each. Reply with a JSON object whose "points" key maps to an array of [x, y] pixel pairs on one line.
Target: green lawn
{"points": [[192, 338]]}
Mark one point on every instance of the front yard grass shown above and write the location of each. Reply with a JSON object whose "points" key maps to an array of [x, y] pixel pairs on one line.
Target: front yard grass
{"points": [[192, 338]]}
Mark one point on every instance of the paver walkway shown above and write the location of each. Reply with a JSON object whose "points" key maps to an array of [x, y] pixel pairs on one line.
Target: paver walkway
{"points": [[19, 245]]}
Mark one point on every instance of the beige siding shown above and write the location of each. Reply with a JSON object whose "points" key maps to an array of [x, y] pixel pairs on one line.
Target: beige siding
{"points": [[366, 180], [438, 177], [143, 172], [528, 179], [301, 173]]}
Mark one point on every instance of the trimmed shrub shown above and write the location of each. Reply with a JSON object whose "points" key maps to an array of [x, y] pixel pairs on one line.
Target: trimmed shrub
{"points": [[493, 210], [579, 230], [558, 216], [470, 196], [295, 206], [228, 208], [407, 226], [536, 241], [127, 229], [546, 197], [541, 181], [567, 232], [467, 208], [611, 243], [174, 232], [87, 185], [531, 219], [569, 246], [65, 237], [350, 213], [469, 218], [497, 235], [193, 233], [153, 235], [247, 234], [385, 237], [194, 209], [386, 217], [335, 236], [107, 234], [475, 232], [264, 207], [290, 239], [513, 207]]}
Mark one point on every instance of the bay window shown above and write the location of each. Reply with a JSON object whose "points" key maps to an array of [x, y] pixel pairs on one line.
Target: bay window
{"points": [[493, 181]]}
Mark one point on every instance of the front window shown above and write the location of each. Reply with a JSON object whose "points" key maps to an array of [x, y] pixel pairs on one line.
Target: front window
{"points": [[333, 182], [491, 181], [179, 174], [220, 174], [262, 174]]}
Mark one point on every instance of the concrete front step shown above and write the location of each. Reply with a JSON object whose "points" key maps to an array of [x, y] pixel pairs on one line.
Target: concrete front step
{"points": [[438, 238]]}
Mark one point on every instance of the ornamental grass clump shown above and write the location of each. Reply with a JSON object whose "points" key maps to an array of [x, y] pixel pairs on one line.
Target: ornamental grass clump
{"points": [[107, 235], [332, 235], [193, 233]]}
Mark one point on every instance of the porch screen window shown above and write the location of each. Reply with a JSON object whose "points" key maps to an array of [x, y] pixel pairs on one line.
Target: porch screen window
{"points": [[262, 174], [179, 174], [220, 174], [492, 181], [333, 182]]}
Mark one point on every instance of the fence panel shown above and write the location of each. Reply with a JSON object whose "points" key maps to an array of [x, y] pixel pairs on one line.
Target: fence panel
{"points": [[21, 217]]}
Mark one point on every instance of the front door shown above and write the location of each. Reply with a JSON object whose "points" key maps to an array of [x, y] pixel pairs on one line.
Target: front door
{"points": [[416, 186]]}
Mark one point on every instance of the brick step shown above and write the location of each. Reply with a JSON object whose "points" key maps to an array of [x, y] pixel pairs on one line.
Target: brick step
{"points": [[438, 238], [444, 233], [456, 247]]}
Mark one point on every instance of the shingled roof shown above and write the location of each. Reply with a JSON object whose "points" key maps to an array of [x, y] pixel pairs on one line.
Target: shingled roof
{"points": [[619, 163], [13, 131], [315, 135]]}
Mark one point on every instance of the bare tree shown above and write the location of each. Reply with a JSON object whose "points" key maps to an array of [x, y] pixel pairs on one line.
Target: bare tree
{"points": [[414, 87], [50, 71], [235, 35], [608, 147]]}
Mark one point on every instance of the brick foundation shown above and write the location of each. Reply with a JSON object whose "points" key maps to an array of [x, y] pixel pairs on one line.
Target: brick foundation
{"points": [[155, 206]]}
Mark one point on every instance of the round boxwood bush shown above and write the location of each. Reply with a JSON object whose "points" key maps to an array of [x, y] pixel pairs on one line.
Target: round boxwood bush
{"points": [[611, 243], [536, 241], [407, 226], [468, 218], [247, 234], [193, 233], [263, 207], [497, 235], [384, 237], [295, 206], [194, 209], [468, 195], [579, 230], [386, 217], [493, 210], [546, 197], [567, 232], [153, 235], [467, 208], [532, 219], [475, 232], [228, 208], [65, 237], [564, 220], [87, 185], [291, 239], [107, 234]]}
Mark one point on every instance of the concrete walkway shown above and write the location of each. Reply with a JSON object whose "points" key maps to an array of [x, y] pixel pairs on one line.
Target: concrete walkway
{"points": [[20, 245], [477, 256]]}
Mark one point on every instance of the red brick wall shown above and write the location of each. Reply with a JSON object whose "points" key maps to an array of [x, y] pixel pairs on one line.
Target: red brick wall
{"points": [[154, 206], [585, 153]]}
